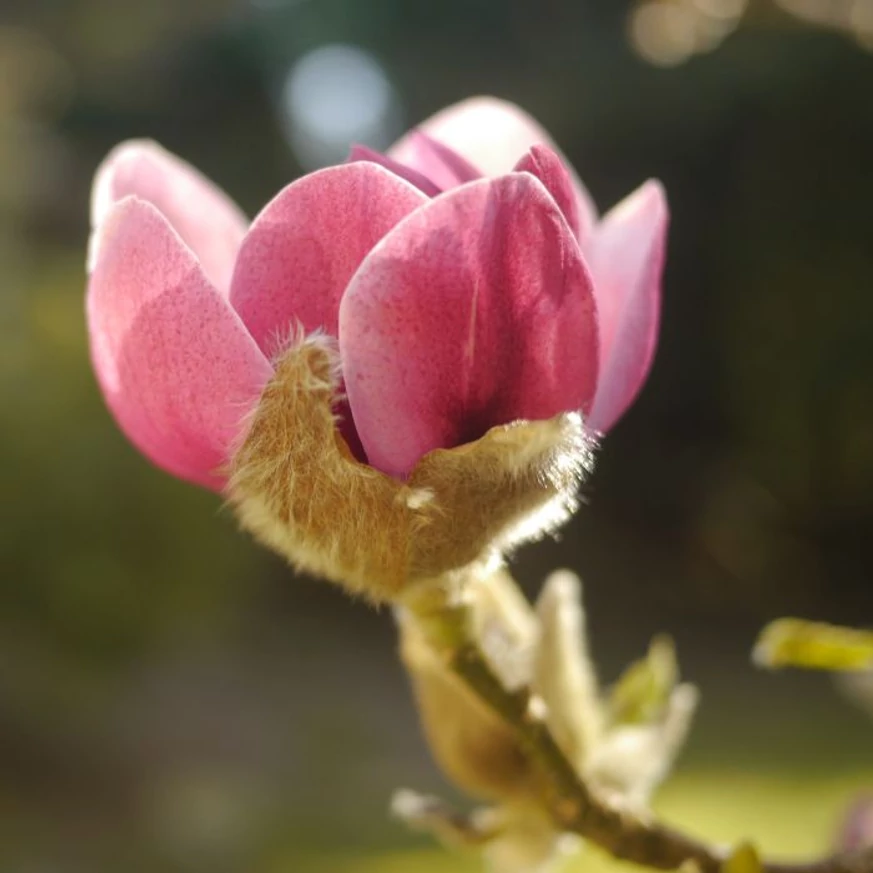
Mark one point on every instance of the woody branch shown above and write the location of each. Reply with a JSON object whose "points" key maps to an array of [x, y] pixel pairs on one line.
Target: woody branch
{"points": [[573, 805]]}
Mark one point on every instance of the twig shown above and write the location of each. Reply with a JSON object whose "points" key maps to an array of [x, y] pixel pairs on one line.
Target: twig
{"points": [[575, 808]]}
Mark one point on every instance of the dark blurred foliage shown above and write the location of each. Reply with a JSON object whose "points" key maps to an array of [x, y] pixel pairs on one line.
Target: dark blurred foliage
{"points": [[172, 697]]}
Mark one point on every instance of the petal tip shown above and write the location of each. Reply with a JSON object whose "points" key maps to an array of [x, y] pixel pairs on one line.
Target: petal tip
{"points": [[109, 226], [175, 365], [651, 198], [122, 155], [203, 215], [489, 103]]}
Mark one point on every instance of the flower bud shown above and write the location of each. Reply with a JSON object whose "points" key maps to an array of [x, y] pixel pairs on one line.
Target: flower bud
{"points": [[622, 745], [475, 747]]}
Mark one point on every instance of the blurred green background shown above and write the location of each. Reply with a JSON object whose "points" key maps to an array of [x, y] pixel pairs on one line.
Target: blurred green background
{"points": [[173, 698]]}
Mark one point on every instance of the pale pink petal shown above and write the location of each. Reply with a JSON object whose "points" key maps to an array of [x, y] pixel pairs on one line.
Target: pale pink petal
{"points": [[425, 185], [627, 261], [440, 163], [492, 135], [474, 311], [542, 162], [209, 222], [303, 248], [177, 367]]}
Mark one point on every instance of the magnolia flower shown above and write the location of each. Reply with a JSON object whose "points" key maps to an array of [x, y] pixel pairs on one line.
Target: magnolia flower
{"points": [[385, 371], [465, 276]]}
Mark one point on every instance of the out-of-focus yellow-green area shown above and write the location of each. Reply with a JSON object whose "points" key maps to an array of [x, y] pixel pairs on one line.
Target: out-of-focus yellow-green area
{"points": [[172, 698]]}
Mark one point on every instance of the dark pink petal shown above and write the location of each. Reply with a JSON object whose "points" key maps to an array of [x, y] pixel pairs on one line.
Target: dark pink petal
{"points": [[474, 311], [492, 135], [177, 367], [627, 261], [209, 222], [542, 162], [425, 185], [303, 248]]}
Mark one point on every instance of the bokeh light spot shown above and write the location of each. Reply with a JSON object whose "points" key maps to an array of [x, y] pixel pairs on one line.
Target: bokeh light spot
{"points": [[664, 33], [335, 95]]}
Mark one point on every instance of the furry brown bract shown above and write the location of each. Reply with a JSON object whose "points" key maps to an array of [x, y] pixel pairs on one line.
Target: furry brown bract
{"points": [[296, 486]]}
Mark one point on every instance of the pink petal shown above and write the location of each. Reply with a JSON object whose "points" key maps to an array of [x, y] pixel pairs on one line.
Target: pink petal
{"points": [[542, 162], [297, 259], [474, 311], [176, 365], [492, 135], [627, 261], [204, 216], [446, 167], [425, 185]]}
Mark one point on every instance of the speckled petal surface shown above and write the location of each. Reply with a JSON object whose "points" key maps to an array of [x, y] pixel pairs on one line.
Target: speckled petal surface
{"points": [[209, 222], [474, 311], [297, 259], [177, 367], [547, 166]]}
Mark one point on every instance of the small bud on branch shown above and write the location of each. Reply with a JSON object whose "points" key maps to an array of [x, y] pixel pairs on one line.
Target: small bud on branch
{"points": [[794, 642]]}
